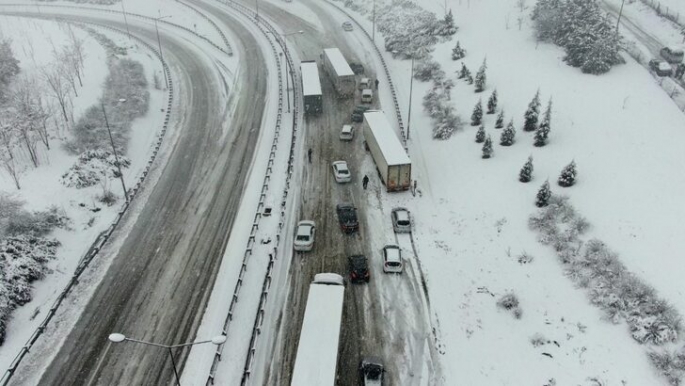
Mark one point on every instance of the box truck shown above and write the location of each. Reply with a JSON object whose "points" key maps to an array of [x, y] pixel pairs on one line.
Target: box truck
{"points": [[311, 87], [392, 161], [339, 72]]}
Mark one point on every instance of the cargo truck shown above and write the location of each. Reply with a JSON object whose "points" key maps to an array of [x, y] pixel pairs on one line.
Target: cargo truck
{"points": [[392, 161], [311, 87], [339, 72]]}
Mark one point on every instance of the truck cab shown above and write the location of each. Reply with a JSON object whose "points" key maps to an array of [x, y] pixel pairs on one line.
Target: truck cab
{"points": [[371, 371]]}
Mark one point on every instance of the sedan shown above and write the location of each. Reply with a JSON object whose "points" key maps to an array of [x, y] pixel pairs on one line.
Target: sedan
{"points": [[401, 222], [392, 259], [341, 172], [347, 26], [304, 236], [359, 269]]}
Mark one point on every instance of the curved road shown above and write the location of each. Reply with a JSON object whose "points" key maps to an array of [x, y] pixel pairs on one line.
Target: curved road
{"points": [[158, 284]]}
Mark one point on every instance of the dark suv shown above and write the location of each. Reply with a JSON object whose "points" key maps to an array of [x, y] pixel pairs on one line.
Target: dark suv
{"points": [[359, 269], [347, 216], [357, 68], [358, 113], [371, 371]]}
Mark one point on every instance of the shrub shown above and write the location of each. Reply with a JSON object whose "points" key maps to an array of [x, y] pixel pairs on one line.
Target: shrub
{"points": [[36, 224], [477, 114], [492, 102], [543, 196], [526, 173], [481, 77], [500, 120], [487, 148], [480, 134], [568, 175], [510, 302], [508, 135], [426, 70], [458, 52]]}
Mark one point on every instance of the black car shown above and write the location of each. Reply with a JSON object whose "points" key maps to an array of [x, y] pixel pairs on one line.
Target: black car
{"points": [[358, 113], [359, 269], [371, 371], [357, 68], [347, 216], [660, 67]]}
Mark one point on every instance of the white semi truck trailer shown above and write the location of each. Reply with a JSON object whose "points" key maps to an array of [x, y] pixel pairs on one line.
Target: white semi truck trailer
{"points": [[339, 72], [391, 159]]}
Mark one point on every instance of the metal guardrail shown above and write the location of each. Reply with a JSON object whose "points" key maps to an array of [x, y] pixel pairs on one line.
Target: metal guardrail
{"points": [[264, 26], [104, 236], [387, 74]]}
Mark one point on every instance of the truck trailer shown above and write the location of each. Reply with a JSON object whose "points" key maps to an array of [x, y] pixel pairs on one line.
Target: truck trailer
{"points": [[392, 161], [311, 87], [339, 72], [316, 360]]}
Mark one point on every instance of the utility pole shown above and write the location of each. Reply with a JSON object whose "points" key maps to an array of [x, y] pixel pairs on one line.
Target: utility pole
{"points": [[114, 150], [411, 86], [159, 43]]}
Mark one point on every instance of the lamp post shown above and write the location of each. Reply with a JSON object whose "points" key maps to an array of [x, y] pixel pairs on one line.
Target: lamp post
{"points": [[411, 87], [118, 338], [620, 12], [123, 10], [114, 149], [159, 43], [287, 75]]}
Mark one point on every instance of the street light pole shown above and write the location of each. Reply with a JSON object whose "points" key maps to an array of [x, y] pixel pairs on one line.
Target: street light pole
{"points": [[114, 150], [118, 338], [411, 86], [159, 43], [123, 10], [620, 12]]}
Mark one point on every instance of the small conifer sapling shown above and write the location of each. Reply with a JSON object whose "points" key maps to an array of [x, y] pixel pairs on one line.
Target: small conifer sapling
{"points": [[508, 135], [463, 72], [543, 196], [568, 175], [526, 173], [480, 134], [487, 148], [481, 77], [532, 113], [492, 102], [500, 120], [477, 115], [458, 52]]}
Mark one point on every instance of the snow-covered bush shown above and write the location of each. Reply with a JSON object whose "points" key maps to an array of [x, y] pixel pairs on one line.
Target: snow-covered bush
{"points": [[428, 69], [480, 134], [508, 136], [568, 175], [543, 196], [499, 123], [487, 148], [458, 52], [492, 102], [510, 302], [91, 167], [531, 115], [437, 106], [538, 340], [107, 197], [9, 66], [671, 364], [526, 173], [36, 224], [481, 80], [477, 114]]}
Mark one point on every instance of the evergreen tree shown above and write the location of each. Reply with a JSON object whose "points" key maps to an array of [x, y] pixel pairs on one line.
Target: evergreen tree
{"points": [[568, 175], [448, 28], [526, 173], [469, 78], [481, 78], [492, 102], [500, 120], [508, 135], [480, 134], [542, 133], [463, 72], [458, 52], [487, 148], [531, 115], [543, 196], [477, 115]]}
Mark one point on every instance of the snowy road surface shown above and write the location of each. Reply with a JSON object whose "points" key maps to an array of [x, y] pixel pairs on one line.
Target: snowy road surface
{"points": [[158, 284]]}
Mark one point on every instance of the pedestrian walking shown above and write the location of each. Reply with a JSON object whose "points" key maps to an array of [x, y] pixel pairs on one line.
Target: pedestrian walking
{"points": [[309, 155], [365, 181], [414, 191], [377, 81]]}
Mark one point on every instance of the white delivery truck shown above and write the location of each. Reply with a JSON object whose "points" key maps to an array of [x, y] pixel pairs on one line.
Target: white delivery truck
{"points": [[311, 87], [391, 159], [339, 72], [317, 351]]}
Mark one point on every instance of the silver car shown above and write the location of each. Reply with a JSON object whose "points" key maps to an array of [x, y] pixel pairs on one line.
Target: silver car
{"points": [[347, 26], [341, 172], [304, 236], [401, 220], [392, 259]]}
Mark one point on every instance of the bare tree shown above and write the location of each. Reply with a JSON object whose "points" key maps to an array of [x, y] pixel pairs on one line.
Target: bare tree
{"points": [[7, 158], [57, 87], [77, 50]]}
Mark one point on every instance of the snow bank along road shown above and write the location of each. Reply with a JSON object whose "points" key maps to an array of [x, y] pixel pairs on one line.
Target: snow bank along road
{"points": [[157, 285]]}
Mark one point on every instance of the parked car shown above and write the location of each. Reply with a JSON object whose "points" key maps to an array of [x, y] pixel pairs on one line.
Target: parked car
{"points": [[672, 54], [347, 26], [660, 67], [357, 68], [392, 259], [358, 269], [358, 113], [364, 83], [304, 236], [347, 216], [341, 172], [401, 221], [367, 95], [371, 371], [347, 133]]}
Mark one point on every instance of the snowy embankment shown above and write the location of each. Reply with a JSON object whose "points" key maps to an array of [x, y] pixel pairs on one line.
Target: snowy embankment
{"points": [[35, 44], [472, 215]]}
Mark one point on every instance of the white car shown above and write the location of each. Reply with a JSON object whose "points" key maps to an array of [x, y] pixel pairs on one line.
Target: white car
{"points": [[347, 133], [367, 95], [401, 222], [341, 172], [347, 26], [304, 236], [392, 259], [364, 83]]}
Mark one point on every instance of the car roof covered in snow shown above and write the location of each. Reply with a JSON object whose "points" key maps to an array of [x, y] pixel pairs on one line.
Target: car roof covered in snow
{"points": [[387, 139]]}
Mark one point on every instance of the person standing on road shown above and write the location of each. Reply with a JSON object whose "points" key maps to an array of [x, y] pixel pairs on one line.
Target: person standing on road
{"points": [[365, 181], [309, 155], [377, 81]]}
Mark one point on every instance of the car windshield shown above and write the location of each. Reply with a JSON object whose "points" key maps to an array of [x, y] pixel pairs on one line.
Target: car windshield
{"points": [[392, 264], [343, 171], [373, 372], [302, 238]]}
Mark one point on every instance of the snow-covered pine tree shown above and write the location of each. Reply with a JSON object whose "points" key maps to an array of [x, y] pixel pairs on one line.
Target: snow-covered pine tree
{"points": [[448, 28], [542, 133], [458, 52], [603, 53], [508, 135], [487, 148], [568, 175], [477, 115], [526, 173], [463, 72], [500, 120], [480, 134], [543, 196], [481, 78], [492, 102], [531, 115]]}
